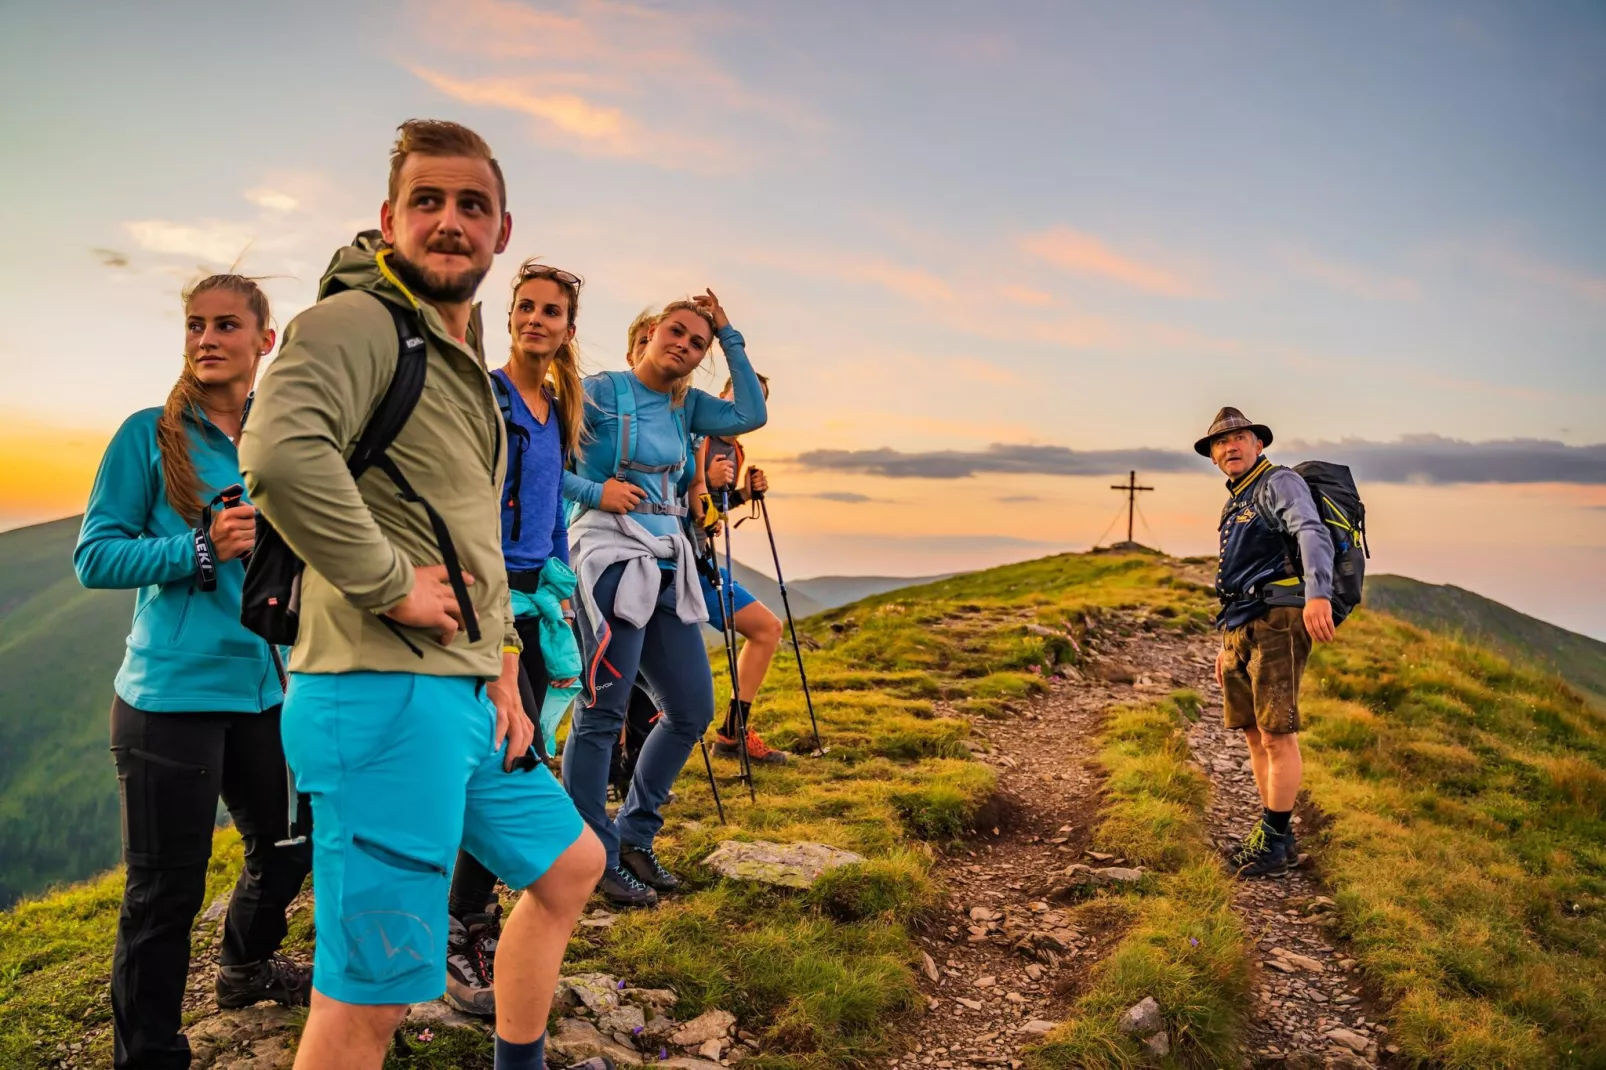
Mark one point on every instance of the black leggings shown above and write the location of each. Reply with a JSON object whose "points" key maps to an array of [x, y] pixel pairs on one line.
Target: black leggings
{"points": [[474, 886], [171, 768]]}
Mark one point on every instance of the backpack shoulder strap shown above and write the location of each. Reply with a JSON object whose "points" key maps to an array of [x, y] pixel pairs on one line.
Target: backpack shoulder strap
{"points": [[396, 405], [624, 407], [504, 399], [395, 408]]}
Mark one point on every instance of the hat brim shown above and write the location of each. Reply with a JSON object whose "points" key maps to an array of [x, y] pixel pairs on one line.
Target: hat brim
{"points": [[1262, 432]]}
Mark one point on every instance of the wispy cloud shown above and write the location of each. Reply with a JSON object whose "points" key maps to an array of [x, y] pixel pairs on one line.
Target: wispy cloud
{"points": [[597, 127], [1435, 459], [272, 199], [1085, 254], [111, 258], [1350, 279], [211, 240], [1011, 499], [997, 459], [1025, 295], [1561, 278], [607, 77], [1412, 459], [845, 497]]}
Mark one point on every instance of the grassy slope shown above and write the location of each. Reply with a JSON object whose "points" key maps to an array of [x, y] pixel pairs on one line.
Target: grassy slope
{"points": [[1467, 798], [60, 646], [1578, 659], [1467, 844], [826, 976]]}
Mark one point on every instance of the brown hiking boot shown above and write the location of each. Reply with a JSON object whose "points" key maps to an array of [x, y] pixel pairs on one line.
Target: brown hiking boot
{"points": [[757, 750]]}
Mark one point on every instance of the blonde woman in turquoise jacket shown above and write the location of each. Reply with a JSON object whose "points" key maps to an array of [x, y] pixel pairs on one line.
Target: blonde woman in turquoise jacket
{"points": [[196, 712]]}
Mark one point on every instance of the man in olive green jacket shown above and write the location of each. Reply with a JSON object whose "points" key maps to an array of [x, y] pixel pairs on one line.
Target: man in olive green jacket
{"points": [[396, 718]]}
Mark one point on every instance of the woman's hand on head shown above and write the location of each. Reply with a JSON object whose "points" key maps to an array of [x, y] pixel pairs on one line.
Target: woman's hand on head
{"points": [[709, 303]]}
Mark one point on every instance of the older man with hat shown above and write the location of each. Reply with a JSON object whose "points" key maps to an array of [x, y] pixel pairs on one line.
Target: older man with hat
{"points": [[1275, 581]]}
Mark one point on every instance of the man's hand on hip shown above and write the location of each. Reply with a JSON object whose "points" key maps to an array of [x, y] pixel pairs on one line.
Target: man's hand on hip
{"points": [[431, 603], [512, 723]]}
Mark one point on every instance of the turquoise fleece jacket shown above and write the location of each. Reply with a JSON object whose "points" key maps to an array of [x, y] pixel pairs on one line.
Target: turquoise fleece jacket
{"points": [[187, 650]]}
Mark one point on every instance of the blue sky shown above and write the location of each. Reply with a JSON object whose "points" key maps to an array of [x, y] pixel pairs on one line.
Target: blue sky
{"points": [[941, 227]]}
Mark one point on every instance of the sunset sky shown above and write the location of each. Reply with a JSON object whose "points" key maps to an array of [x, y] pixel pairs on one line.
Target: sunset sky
{"points": [[990, 255]]}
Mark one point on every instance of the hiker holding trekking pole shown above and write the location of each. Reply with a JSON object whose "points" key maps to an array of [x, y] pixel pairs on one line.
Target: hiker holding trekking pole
{"points": [[720, 463], [641, 607], [1284, 580], [197, 700]]}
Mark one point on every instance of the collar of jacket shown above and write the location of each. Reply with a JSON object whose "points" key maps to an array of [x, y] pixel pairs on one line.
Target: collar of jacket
{"points": [[1237, 486]]}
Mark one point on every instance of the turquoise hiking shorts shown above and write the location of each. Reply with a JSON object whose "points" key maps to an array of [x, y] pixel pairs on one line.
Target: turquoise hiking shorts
{"points": [[401, 773]]}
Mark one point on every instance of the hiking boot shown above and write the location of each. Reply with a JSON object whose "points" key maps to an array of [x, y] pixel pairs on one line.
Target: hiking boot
{"points": [[1263, 853], [275, 978], [620, 887], [644, 865], [470, 962], [726, 747]]}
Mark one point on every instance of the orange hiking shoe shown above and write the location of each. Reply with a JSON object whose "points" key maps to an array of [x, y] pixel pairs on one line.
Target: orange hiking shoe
{"points": [[757, 751]]}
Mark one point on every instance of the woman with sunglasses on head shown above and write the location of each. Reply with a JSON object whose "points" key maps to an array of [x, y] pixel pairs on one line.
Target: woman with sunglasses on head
{"points": [[542, 401], [196, 707], [641, 606]]}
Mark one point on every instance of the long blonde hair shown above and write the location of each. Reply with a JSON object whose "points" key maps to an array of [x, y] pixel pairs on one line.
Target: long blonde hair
{"points": [[186, 397], [682, 386], [563, 375]]}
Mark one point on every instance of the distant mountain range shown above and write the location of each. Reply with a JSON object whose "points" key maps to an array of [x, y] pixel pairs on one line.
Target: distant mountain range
{"points": [[1578, 659], [60, 646]]}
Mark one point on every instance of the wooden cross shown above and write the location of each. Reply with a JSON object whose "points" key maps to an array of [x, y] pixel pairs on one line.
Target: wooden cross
{"points": [[1131, 487]]}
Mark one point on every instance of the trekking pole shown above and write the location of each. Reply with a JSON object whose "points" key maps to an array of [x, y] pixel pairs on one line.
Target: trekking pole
{"points": [[230, 497], [727, 609], [713, 786], [708, 561], [786, 603]]}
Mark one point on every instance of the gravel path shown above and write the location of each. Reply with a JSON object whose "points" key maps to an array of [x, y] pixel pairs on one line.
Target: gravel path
{"points": [[1312, 1012], [1005, 965]]}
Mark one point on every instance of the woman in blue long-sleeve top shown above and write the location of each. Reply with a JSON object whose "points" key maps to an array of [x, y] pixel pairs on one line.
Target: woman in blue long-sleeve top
{"points": [[196, 712], [541, 398], [641, 607]]}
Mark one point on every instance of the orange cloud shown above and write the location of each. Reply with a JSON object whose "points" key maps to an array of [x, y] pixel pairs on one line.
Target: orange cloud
{"points": [[1087, 255], [1355, 281], [604, 127], [1025, 295]]}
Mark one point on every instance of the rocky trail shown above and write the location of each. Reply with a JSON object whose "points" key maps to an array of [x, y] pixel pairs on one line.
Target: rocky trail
{"points": [[1006, 967], [1311, 1009]]}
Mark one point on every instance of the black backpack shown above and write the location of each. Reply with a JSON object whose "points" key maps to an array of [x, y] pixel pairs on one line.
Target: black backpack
{"points": [[271, 602], [1339, 504]]}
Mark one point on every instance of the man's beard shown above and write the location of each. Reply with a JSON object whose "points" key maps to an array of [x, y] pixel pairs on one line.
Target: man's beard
{"points": [[436, 288]]}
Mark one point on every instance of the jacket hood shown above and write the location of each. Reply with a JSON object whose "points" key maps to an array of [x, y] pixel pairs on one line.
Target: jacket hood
{"points": [[362, 266], [359, 266]]}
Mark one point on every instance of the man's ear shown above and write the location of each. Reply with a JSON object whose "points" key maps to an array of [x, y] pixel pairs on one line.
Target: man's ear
{"points": [[387, 223], [507, 233]]}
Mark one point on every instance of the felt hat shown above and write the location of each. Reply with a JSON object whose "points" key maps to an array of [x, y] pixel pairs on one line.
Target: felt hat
{"points": [[1227, 420]]}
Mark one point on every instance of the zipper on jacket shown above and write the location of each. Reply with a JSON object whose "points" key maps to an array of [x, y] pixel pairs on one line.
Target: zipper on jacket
{"points": [[183, 614]]}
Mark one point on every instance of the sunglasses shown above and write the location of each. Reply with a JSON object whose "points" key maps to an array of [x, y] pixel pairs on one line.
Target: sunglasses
{"points": [[531, 269]]}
